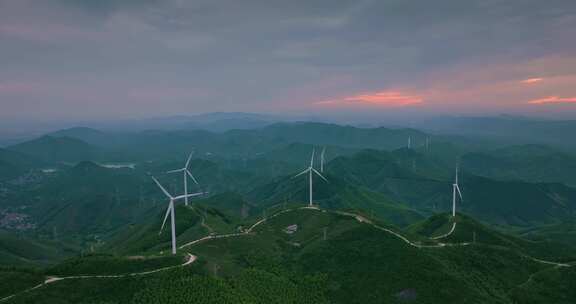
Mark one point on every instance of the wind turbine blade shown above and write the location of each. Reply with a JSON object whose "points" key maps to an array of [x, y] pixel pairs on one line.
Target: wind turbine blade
{"points": [[459, 192], [302, 173], [319, 174], [456, 178], [192, 177], [189, 195], [176, 171], [312, 159], [166, 216], [189, 159], [163, 190]]}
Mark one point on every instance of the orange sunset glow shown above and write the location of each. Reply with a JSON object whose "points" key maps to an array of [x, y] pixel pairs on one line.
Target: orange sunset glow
{"points": [[553, 99], [532, 80], [381, 98]]}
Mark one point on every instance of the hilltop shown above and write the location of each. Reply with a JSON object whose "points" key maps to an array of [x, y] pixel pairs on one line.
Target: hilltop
{"points": [[54, 149], [329, 257]]}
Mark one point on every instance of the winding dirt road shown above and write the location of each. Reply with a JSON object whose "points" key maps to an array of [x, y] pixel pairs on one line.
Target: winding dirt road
{"points": [[52, 279], [192, 258]]}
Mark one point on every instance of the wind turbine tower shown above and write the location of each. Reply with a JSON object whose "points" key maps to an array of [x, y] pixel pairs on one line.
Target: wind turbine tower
{"points": [[170, 211], [409, 142], [311, 171], [455, 191], [185, 174]]}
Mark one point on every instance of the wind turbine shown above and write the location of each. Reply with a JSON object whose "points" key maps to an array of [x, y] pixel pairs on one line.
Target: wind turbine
{"points": [[322, 159], [186, 173], [409, 142], [455, 189], [170, 211], [310, 170]]}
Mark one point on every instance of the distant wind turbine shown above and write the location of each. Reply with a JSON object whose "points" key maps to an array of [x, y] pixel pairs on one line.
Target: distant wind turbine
{"points": [[186, 173], [409, 142], [322, 159], [310, 170], [455, 189], [170, 211]]}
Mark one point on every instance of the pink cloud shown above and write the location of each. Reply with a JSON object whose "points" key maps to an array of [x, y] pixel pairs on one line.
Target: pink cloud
{"points": [[532, 80], [553, 100], [380, 98]]}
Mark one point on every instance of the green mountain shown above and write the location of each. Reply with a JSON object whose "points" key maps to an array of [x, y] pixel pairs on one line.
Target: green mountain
{"points": [[372, 242], [508, 129], [328, 257], [91, 136], [334, 194], [353, 258], [426, 186], [404, 175], [299, 154], [469, 230], [547, 286], [517, 203], [564, 232], [86, 198], [24, 251], [343, 136], [14, 164], [220, 214], [54, 149], [533, 163], [250, 143], [229, 203]]}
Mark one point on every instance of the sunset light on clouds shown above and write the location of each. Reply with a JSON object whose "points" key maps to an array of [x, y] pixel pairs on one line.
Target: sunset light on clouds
{"points": [[79, 59], [381, 98], [532, 80], [553, 100]]}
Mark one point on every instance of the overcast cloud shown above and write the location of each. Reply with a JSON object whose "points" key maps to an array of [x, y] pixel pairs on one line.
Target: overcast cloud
{"points": [[128, 58]]}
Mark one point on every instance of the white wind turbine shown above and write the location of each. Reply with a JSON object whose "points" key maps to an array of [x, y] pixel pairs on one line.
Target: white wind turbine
{"points": [[186, 173], [170, 211], [322, 159], [455, 189], [310, 170]]}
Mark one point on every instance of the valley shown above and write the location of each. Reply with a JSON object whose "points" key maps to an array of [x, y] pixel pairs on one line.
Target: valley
{"points": [[378, 218]]}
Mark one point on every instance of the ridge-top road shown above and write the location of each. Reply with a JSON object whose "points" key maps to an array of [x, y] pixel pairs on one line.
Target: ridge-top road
{"points": [[52, 279]]}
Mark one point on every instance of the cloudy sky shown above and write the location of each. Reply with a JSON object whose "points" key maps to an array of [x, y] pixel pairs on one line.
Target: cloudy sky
{"points": [[143, 58]]}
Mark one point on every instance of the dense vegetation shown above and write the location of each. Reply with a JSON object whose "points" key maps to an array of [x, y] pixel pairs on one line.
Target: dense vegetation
{"points": [[110, 265], [81, 202], [15, 280]]}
